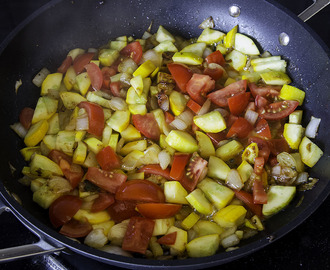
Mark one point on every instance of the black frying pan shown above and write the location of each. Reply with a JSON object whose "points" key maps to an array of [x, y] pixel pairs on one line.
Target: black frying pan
{"points": [[65, 24]]}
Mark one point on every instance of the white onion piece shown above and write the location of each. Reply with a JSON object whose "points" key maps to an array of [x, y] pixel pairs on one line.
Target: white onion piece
{"points": [[234, 180], [224, 112], [251, 116], [118, 104], [205, 107], [96, 238], [276, 170], [146, 35], [230, 241], [127, 66], [207, 23], [179, 124], [17, 85], [312, 127], [207, 52], [39, 78], [286, 160], [302, 178], [155, 57], [164, 159], [19, 129], [120, 144], [82, 121], [187, 117], [115, 250]]}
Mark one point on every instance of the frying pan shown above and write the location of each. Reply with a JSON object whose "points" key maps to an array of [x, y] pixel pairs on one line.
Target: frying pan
{"points": [[46, 37]]}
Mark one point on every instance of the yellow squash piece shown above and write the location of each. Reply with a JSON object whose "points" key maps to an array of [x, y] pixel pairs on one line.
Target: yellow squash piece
{"points": [[310, 153], [52, 81], [181, 239], [177, 102], [108, 56], [229, 39], [46, 107], [210, 122], [71, 99], [137, 84], [203, 246], [289, 92], [36, 133], [145, 69], [217, 168], [250, 153], [293, 133], [199, 202], [205, 145], [175, 192], [236, 59], [70, 78], [92, 218], [119, 121], [182, 141], [210, 36], [190, 221], [94, 144], [187, 58], [245, 45], [130, 133], [195, 48], [230, 216], [45, 166], [275, 78], [229, 150]]}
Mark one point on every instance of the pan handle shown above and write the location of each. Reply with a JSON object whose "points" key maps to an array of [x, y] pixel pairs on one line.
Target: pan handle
{"points": [[14, 253], [309, 12]]}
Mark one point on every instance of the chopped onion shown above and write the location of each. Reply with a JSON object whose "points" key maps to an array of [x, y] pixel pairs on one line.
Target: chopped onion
{"points": [[312, 127], [127, 66], [230, 241], [234, 180], [19, 129], [155, 57], [118, 104], [163, 101], [96, 238], [266, 54], [251, 116], [205, 107], [187, 117], [286, 160], [164, 159], [179, 124], [276, 170], [115, 250], [146, 35], [302, 178], [17, 85], [82, 121], [40, 77], [120, 144], [223, 112], [207, 52], [207, 23]]}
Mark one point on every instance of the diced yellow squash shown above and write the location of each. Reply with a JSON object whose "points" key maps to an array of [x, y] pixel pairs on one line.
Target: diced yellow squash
{"points": [[175, 192], [217, 168], [295, 117], [245, 45], [71, 99], [229, 81], [37, 183], [137, 83], [133, 98], [118, 44], [299, 164], [65, 141], [248, 223], [236, 59], [131, 160], [80, 153], [199, 202], [52, 81], [94, 144], [187, 58], [210, 36], [70, 78], [160, 118], [27, 152], [83, 83], [310, 153], [229, 39], [46, 107], [155, 247], [113, 141], [181, 238], [144, 70], [139, 145], [182, 141], [92, 218], [164, 145], [207, 227], [190, 221], [250, 153], [130, 133], [164, 35], [293, 134], [220, 47], [107, 131], [44, 166], [90, 160], [50, 141], [117, 233], [203, 246], [210, 122], [80, 134], [205, 145], [195, 48], [162, 225], [137, 109], [256, 220], [245, 170], [36, 133], [119, 121], [108, 56], [75, 52], [275, 78], [289, 92], [105, 226], [95, 98], [229, 150], [230, 216], [54, 125], [139, 175], [165, 46], [177, 102]]}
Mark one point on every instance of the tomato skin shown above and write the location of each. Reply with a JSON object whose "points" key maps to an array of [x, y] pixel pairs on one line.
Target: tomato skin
{"points": [[81, 61], [238, 103], [95, 75], [259, 193], [261, 102], [167, 239], [198, 86], [247, 198], [216, 57], [76, 229], [158, 210], [282, 109], [264, 90], [180, 160], [121, 210], [194, 106], [73, 172], [156, 169], [63, 209], [108, 159], [278, 146], [107, 72], [65, 65], [102, 202], [57, 156], [241, 128], [147, 125], [259, 163], [169, 117], [264, 149], [109, 181], [262, 129], [138, 234], [140, 190], [115, 89], [133, 50], [95, 117], [181, 75], [220, 97], [214, 72], [25, 117], [217, 137]]}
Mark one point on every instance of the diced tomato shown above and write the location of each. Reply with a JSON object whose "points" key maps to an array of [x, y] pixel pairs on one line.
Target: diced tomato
{"points": [[220, 97], [181, 75], [81, 61], [216, 57], [251, 106], [57, 156], [263, 146], [115, 88], [278, 146], [261, 102], [196, 169], [65, 65], [147, 125], [180, 160], [156, 169], [168, 239], [63, 209], [198, 86], [264, 90], [107, 72], [259, 193], [95, 117], [102, 202], [278, 110], [95, 75], [109, 181], [194, 106], [121, 210], [158, 210], [247, 198], [241, 128], [76, 229], [259, 163], [214, 71], [238, 103], [133, 50], [272, 161], [231, 120], [169, 117], [73, 172], [25, 117], [140, 190], [262, 129], [138, 234], [217, 137], [108, 159]]}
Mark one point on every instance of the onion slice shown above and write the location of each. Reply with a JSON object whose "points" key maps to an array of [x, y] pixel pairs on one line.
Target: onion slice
{"points": [[312, 127]]}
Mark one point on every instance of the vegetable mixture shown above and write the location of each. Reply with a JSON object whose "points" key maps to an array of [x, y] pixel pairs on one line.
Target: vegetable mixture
{"points": [[163, 147]]}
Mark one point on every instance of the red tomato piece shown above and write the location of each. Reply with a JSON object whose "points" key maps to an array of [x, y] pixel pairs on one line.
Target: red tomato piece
{"points": [[217, 137], [73, 172], [259, 193], [261, 102], [115, 89], [231, 120], [216, 57], [156, 169], [63, 209], [194, 106], [263, 146], [259, 163], [57, 156], [167, 239], [214, 71], [158, 210], [220, 97], [198, 86], [188, 183], [278, 146], [76, 229], [251, 106], [195, 169], [81, 61], [181, 75], [180, 160], [133, 50], [95, 117], [147, 125], [108, 159], [102, 202], [264, 90], [247, 198], [169, 117], [107, 72], [109, 181], [138, 234], [278, 110], [95, 75], [241, 128], [262, 129], [65, 65], [140, 190], [121, 210], [25, 117], [238, 103]]}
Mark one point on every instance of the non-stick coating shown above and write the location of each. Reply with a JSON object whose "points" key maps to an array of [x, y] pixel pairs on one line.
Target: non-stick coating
{"points": [[47, 37]]}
